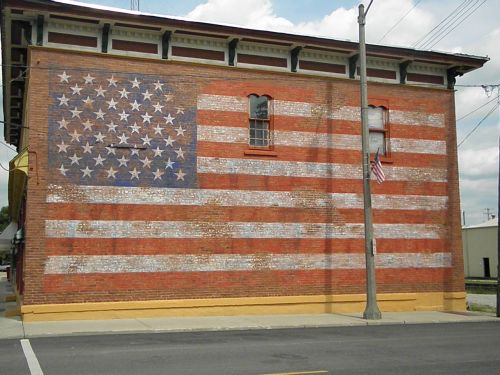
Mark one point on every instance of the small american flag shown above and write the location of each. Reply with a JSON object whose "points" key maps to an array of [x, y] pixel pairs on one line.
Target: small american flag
{"points": [[376, 167]]}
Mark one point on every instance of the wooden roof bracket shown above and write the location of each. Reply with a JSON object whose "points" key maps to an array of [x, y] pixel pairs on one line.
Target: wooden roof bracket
{"points": [[352, 65]]}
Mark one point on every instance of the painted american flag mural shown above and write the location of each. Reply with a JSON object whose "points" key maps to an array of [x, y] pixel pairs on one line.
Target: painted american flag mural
{"points": [[120, 130], [150, 190]]}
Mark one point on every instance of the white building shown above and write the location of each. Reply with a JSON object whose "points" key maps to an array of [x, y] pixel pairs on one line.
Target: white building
{"points": [[480, 244]]}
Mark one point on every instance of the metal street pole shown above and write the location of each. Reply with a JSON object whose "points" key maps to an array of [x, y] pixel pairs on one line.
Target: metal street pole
{"points": [[498, 211], [372, 311]]}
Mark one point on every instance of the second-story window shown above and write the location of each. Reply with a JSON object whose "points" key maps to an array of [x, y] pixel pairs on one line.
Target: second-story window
{"points": [[259, 121], [379, 132]]}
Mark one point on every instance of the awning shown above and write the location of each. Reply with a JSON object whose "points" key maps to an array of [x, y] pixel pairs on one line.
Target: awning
{"points": [[6, 237], [18, 174]]}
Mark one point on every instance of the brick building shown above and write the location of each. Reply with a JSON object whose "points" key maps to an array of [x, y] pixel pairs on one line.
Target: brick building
{"points": [[189, 168]]}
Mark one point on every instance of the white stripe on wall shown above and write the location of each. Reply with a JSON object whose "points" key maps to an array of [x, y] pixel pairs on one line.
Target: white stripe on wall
{"points": [[309, 169], [190, 229], [304, 109], [228, 134], [236, 198], [82, 264]]}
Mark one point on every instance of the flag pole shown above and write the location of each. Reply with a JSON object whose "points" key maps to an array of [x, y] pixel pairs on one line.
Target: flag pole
{"points": [[372, 311]]}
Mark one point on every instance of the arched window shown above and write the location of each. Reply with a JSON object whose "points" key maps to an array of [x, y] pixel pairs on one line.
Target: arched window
{"points": [[379, 131], [259, 121]]}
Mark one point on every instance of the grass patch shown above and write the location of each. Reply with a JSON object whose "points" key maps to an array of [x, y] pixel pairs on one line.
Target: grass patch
{"points": [[481, 308]]}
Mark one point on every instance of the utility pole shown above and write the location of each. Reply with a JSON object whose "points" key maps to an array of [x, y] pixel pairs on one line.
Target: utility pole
{"points": [[498, 209], [372, 311]]}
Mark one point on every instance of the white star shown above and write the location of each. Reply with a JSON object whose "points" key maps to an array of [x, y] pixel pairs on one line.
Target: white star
{"points": [[75, 136], [111, 150], [99, 137], [158, 85], [158, 151], [112, 103], [87, 125], [135, 83], [134, 151], [63, 100], [61, 168], [87, 148], [63, 124], [170, 164], [158, 107], [111, 172], [123, 116], [99, 160], [62, 147], [124, 94], [158, 129], [112, 81], [123, 138], [180, 175], [169, 119], [146, 163], [180, 130], [135, 106], [111, 127], [180, 153], [135, 174], [180, 110], [146, 118], [123, 161], [147, 95], [100, 91], [135, 128], [88, 79], [158, 174], [64, 77], [100, 114], [168, 97], [146, 140], [88, 101], [169, 141], [75, 112], [74, 159], [76, 90], [87, 171]]}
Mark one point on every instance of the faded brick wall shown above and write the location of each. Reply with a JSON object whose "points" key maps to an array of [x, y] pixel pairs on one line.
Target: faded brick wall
{"points": [[282, 223]]}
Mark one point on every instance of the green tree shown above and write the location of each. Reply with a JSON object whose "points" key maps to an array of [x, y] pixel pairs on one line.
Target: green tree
{"points": [[4, 218]]}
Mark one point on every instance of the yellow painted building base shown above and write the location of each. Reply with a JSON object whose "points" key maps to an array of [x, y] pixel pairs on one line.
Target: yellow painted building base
{"points": [[343, 303]]}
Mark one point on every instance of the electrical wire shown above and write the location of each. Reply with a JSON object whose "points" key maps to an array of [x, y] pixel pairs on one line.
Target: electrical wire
{"points": [[477, 109], [478, 124], [466, 17], [399, 21], [439, 24], [450, 23]]}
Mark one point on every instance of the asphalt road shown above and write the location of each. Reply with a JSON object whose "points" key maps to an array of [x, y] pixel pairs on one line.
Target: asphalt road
{"points": [[470, 348]]}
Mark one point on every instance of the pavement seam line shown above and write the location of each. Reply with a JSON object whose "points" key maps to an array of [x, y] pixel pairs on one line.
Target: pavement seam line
{"points": [[30, 355]]}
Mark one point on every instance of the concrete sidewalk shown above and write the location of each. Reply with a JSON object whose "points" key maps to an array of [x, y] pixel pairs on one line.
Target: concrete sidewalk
{"points": [[14, 328]]}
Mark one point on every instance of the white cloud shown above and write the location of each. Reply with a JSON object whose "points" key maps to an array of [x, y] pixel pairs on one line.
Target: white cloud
{"points": [[257, 14], [479, 163]]}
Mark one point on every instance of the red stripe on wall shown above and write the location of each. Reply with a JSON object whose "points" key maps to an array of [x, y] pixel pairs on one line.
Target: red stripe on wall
{"points": [[207, 213], [175, 246], [175, 285]]}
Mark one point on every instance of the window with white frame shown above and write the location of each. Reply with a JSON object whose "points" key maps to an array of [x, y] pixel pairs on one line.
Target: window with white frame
{"points": [[379, 131], [259, 121]]}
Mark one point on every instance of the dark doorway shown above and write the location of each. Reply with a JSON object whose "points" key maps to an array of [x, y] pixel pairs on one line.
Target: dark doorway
{"points": [[486, 267]]}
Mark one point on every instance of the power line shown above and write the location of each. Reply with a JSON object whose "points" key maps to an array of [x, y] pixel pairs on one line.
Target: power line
{"points": [[467, 16], [450, 23], [478, 124], [399, 21], [439, 24], [475, 110]]}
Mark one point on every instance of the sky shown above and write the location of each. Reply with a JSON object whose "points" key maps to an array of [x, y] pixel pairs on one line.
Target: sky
{"points": [[400, 23]]}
